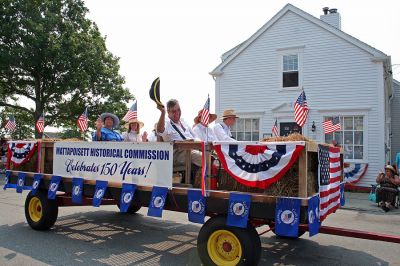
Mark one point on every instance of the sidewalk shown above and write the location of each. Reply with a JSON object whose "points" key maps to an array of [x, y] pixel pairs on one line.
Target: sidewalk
{"points": [[359, 202]]}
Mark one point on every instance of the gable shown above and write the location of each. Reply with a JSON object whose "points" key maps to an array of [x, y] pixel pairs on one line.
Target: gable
{"points": [[287, 10]]}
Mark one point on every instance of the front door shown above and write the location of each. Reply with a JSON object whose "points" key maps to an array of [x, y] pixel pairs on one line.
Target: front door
{"points": [[288, 128]]}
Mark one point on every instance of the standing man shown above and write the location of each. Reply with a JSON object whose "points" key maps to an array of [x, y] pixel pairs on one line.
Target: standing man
{"points": [[222, 131], [173, 128]]}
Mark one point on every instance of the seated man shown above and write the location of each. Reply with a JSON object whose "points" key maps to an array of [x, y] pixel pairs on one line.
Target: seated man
{"points": [[105, 125], [173, 128], [222, 130], [386, 193]]}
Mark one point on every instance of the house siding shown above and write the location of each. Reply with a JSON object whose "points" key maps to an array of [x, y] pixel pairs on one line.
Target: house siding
{"points": [[335, 75], [395, 110]]}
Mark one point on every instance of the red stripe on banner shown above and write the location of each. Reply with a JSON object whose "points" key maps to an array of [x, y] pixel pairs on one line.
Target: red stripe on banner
{"points": [[260, 184], [331, 210], [335, 170], [326, 193], [326, 204], [334, 160]]}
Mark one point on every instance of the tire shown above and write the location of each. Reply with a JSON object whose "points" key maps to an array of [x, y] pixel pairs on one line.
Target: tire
{"points": [[40, 212], [133, 208], [220, 244]]}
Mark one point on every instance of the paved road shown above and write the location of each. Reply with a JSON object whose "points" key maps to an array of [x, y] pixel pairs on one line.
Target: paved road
{"points": [[102, 236]]}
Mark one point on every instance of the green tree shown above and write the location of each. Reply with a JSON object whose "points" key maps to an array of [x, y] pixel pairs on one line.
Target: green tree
{"points": [[54, 60], [24, 121]]}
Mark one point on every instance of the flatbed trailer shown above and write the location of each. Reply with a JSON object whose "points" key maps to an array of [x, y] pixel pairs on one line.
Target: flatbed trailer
{"points": [[218, 243]]}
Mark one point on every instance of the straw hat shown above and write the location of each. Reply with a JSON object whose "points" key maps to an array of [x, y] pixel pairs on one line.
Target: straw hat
{"points": [[141, 124], [103, 116], [229, 113], [391, 168], [212, 118]]}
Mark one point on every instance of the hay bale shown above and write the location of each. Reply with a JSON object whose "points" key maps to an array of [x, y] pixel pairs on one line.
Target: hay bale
{"points": [[291, 137]]}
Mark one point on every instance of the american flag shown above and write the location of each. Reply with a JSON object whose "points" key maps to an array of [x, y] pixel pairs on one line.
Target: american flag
{"points": [[40, 124], [301, 109], [331, 125], [83, 121], [11, 125], [275, 128], [329, 179], [132, 112], [205, 113]]}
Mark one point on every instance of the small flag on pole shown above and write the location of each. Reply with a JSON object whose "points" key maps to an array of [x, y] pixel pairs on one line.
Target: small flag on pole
{"points": [[275, 128], [11, 124], [205, 113], [301, 109], [40, 124], [132, 112], [83, 121], [331, 125]]}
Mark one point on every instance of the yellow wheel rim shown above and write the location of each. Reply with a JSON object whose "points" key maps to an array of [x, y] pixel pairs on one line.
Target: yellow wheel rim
{"points": [[35, 209], [224, 248]]}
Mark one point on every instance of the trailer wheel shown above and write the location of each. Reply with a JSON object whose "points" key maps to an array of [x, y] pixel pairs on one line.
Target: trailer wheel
{"points": [[40, 212], [219, 244]]}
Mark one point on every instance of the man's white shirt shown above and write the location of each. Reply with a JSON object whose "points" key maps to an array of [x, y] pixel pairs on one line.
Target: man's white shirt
{"points": [[170, 134], [200, 131], [222, 132]]}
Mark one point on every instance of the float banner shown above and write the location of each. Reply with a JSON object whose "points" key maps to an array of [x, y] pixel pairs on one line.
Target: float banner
{"points": [[196, 206], [148, 164], [342, 199], [127, 192], [21, 182], [101, 187], [77, 190], [158, 197], [313, 215], [36, 183], [7, 181], [287, 215], [239, 208], [55, 181]]}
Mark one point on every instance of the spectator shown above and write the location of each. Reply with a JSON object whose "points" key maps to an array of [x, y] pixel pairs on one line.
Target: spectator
{"points": [[387, 191]]}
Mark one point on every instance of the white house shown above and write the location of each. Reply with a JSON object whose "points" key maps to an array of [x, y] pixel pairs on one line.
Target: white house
{"points": [[342, 76]]}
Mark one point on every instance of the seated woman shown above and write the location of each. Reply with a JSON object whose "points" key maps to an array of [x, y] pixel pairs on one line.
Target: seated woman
{"points": [[386, 193], [105, 125], [133, 133], [204, 133]]}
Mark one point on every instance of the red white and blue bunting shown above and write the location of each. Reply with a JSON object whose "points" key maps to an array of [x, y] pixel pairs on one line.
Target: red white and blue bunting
{"points": [[21, 152], [353, 172], [258, 164]]}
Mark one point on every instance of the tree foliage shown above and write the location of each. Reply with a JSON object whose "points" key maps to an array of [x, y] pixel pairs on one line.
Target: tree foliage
{"points": [[54, 60]]}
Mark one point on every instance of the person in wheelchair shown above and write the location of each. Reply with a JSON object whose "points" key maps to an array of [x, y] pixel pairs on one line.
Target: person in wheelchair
{"points": [[387, 189]]}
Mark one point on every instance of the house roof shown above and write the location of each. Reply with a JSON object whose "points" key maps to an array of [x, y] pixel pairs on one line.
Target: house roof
{"points": [[228, 56]]}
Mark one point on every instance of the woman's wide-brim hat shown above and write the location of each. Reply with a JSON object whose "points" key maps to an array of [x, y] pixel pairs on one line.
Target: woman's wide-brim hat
{"points": [[212, 117], [391, 168], [103, 116], [131, 121], [229, 113], [155, 92]]}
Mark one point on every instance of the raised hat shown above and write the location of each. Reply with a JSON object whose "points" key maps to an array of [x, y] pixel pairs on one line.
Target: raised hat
{"points": [[141, 124], [212, 118], [155, 92], [103, 116], [229, 113]]}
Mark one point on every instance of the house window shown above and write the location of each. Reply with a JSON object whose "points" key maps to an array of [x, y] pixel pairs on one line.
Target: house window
{"points": [[290, 74], [350, 137], [246, 129]]}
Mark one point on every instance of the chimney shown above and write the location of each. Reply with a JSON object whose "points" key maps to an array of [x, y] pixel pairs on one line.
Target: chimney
{"points": [[332, 17]]}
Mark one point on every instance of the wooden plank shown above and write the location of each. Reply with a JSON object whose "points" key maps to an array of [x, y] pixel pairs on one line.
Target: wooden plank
{"points": [[303, 173]]}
